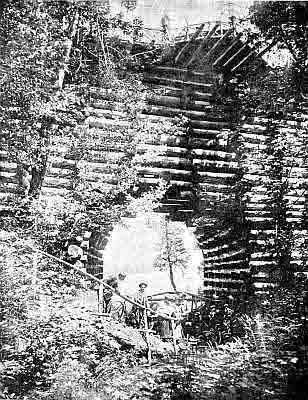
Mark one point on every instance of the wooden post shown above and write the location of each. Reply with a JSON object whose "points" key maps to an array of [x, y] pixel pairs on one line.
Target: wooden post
{"points": [[252, 53], [234, 42], [34, 275], [100, 298], [236, 54], [173, 336], [188, 44], [147, 336], [217, 44], [202, 44]]}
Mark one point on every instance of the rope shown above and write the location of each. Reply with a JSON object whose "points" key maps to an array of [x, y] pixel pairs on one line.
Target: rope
{"points": [[93, 278]]}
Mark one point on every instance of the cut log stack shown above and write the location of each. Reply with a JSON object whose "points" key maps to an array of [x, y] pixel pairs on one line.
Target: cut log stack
{"points": [[92, 244], [195, 159], [187, 95], [262, 225], [8, 175], [225, 261], [260, 214]]}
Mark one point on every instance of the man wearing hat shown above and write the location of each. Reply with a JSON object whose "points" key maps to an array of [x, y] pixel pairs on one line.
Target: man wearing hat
{"points": [[141, 294], [137, 313]]}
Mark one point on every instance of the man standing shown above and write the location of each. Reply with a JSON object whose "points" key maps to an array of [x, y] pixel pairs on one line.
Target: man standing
{"points": [[141, 296], [137, 313], [113, 282]]}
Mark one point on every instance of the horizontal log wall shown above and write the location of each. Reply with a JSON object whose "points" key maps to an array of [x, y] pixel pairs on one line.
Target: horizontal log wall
{"points": [[259, 210], [214, 167]]}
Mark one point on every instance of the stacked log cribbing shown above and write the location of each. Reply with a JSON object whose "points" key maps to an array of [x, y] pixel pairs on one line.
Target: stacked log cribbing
{"points": [[267, 229], [195, 158], [215, 168], [8, 175], [190, 145]]}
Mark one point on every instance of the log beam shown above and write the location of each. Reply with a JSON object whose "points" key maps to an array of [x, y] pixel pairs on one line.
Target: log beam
{"points": [[235, 54], [252, 52], [213, 48], [188, 44], [233, 44], [204, 41]]}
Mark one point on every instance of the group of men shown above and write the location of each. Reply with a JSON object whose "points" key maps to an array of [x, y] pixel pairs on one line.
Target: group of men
{"points": [[134, 315], [118, 308]]}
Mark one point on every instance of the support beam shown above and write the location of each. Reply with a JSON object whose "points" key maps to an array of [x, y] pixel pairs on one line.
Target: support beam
{"points": [[211, 50], [100, 299], [197, 52], [252, 53], [235, 54], [234, 42], [147, 336], [173, 337], [191, 40]]}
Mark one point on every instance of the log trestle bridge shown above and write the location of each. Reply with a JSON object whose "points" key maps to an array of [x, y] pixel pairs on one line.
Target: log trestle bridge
{"points": [[200, 161]]}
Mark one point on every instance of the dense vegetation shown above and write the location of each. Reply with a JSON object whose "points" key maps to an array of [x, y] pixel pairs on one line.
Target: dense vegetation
{"points": [[51, 347]]}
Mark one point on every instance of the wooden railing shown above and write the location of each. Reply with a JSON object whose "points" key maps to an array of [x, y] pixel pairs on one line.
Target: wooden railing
{"points": [[189, 30], [185, 33]]}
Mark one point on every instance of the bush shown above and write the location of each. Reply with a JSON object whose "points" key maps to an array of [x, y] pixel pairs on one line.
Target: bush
{"points": [[218, 320]]}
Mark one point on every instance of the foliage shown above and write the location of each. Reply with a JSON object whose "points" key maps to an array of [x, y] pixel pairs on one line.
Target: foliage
{"points": [[99, 43], [217, 321], [30, 58], [271, 92], [89, 206], [44, 331], [268, 361], [34, 40], [286, 23]]}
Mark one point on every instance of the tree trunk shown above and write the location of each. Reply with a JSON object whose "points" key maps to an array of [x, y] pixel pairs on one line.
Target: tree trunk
{"points": [[67, 49], [171, 275]]}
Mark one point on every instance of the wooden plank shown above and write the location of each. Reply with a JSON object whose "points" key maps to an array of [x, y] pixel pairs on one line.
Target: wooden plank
{"points": [[236, 54], [252, 53], [175, 70], [191, 40], [196, 53], [173, 337], [34, 274], [171, 81], [234, 42], [147, 336], [169, 298], [211, 50]]}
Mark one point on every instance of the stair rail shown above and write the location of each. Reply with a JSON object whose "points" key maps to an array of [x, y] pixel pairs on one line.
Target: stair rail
{"points": [[101, 282]]}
